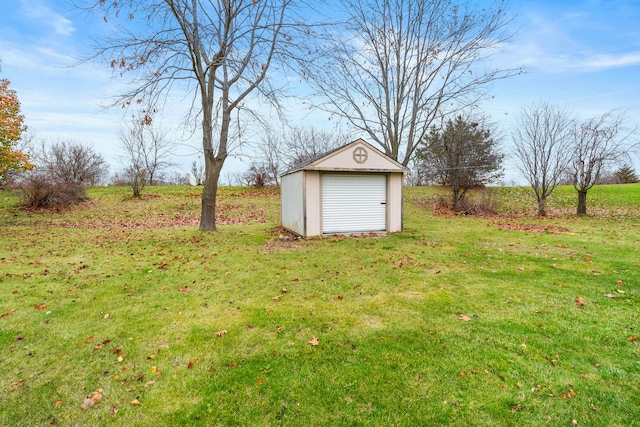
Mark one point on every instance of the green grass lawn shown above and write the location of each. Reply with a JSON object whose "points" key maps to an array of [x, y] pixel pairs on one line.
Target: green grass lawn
{"points": [[119, 312]]}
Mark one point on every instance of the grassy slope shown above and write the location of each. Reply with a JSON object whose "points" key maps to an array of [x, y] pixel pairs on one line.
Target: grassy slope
{"points": [[134, 296]]}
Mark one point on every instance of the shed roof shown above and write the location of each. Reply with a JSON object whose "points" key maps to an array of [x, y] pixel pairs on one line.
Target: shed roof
{"points": [[356, 156]]}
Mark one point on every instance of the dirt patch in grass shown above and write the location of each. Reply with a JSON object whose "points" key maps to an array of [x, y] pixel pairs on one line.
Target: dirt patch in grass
{"points": [[285, 241]]}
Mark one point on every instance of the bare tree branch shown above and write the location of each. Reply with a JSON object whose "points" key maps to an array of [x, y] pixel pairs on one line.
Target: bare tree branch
{"points": [[542, 145], [218, 50], [396, 67]]}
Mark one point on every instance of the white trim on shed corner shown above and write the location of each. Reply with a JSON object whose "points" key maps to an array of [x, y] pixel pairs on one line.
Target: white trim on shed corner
{"points": [[354, 203]]}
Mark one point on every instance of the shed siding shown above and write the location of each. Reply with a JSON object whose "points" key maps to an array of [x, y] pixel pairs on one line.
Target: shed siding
{"points": [[312, 203], [292, 202], [395, 202]]}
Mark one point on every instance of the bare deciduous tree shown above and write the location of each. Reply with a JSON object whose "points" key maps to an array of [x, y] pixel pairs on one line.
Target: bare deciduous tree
{"points": [[396, 67], [197, 171], [136, 177], [598, 142], [271, 158], [146, 147], [302, 144], [68, 161], [542, 144], [221, 50], [289, 149]]}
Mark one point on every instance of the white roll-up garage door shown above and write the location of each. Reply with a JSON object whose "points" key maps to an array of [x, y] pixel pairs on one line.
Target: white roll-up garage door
{"points": [[354, 203]]}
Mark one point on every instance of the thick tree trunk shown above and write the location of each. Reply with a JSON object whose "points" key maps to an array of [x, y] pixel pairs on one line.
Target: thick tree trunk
{"points": [[541, 209], [209, 195], [213, 166], [582, 203]]}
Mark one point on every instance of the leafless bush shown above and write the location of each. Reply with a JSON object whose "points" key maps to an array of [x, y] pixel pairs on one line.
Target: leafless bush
{"points": [[39, 191], [257, 176], [136, 177], [71, 162]]}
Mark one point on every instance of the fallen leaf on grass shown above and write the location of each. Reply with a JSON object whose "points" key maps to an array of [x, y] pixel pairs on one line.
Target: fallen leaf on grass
{"points": [[220, 333], [8, 313], [87, 403], [619, 282], [17, 384], [113, 411], [135, 402], [633, 339], [610, 296], [94, 399], [580, 302], [314, 341], [260, 381], [620, 291], [40, 307], [464, 318], [58, 403]]}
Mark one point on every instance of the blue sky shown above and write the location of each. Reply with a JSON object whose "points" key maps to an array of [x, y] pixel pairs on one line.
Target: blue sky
{"points": [[583, 55]]}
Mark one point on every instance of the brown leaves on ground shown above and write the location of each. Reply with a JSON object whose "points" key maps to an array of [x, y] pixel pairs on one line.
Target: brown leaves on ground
{"points": [[8, 313], [533, 228], [464, 318], [314, 342], [221, 333], [580, 302], [92, 400]]}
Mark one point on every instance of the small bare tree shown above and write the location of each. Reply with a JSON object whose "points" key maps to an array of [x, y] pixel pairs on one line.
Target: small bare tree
{"points": [[396, 67], [145, 146], [135, 176], [197, 171], [598, 142], [542, 145]]}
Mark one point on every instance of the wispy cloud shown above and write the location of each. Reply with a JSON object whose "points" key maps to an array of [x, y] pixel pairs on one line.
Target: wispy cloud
{"points": [[562, 38], [607, 61], [42, 14]]}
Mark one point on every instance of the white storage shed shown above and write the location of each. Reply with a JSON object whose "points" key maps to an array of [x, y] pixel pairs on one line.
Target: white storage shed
{"points": [[352, 189]]}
